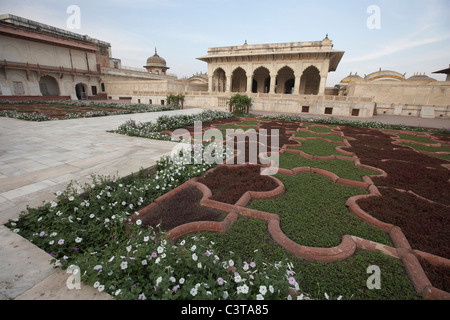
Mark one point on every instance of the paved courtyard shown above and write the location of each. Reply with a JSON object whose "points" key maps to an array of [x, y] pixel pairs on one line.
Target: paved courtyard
{"points": [[37, 159]]}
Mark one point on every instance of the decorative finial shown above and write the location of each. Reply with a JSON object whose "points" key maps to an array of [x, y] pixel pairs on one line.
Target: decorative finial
{"points": [[156, 52]]}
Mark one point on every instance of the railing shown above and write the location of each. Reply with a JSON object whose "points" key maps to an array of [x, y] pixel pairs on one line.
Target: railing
{"points": [[39, 67]]}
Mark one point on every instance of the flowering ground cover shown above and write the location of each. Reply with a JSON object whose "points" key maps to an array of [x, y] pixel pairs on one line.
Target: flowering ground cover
{"points": [[60, 110], [90, 226]]}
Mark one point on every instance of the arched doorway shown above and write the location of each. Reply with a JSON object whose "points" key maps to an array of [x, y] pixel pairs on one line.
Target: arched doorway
{"points": [[219, 80], [310, 81], [239, 80], [81, 91], [285, 80], [48, 86], [261, 80]]}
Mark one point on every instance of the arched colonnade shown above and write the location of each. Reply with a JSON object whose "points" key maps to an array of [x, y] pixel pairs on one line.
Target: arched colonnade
{"points": [[262, 79]]}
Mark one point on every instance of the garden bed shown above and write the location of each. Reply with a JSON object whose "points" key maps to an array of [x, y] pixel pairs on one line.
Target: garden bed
{"points": [[309, 223], [183, 207], [60, 110], [229, 183]]}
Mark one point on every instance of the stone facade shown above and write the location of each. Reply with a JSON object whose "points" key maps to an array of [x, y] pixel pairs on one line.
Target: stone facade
{"points": [[39, 60], [279, 68]]}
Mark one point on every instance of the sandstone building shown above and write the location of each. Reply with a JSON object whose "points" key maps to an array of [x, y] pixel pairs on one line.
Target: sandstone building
{"points": [[38, 61]]}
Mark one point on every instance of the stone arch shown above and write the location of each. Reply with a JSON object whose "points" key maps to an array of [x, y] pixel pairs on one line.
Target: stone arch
{"points": [[261, 80], [48, 86], [239, 80], [310, 81], [81, 91], [219, 80], [285, 80]]}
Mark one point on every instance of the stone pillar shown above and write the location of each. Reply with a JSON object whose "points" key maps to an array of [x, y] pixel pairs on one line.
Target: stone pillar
{"points": [[297, 85], [210, 84], [249, 84], [273, 79], [228, 84], [323, 83]]}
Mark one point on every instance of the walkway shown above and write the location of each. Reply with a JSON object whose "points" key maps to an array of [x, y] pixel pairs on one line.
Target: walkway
{"points": [[37, 159]]}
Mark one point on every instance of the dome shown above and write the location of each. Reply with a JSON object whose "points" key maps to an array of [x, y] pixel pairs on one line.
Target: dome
{"points": [[156, 61], [421, 77], [351, 77], [383, 75]]}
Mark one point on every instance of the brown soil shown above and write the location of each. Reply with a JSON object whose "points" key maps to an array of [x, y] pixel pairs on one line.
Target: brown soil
{"points": [[438, 275], [183, 207], [424, 224], [228, 184], [406, 168]]}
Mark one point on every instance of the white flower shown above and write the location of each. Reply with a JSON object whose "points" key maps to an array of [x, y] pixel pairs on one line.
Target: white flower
{"points": [[61, 241], [193, 292], [194, 257], [160, 249], [91, 215], [181, 281], [172, 279], [129, 248], [78, 240], [199, 265], [124, 203], [96, 284], [259, 297], [193, 247], [242, 289], [263, 290], [225, 294], [237, 277], [158, 281], [112, 258], [124, 265], [271, 289], [59, 213], [101, 288], [146, 238], [157, 260], [52, 242], [144, 262], [138, 222], [230, 263], [117, 292], [98, 267]]}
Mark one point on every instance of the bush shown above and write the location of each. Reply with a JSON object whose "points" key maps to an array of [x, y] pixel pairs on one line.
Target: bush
{"points": [[239, 104], [175, 100]]}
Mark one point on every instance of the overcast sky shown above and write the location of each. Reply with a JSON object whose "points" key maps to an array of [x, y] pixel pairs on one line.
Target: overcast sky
{"points": [[407, 36]]}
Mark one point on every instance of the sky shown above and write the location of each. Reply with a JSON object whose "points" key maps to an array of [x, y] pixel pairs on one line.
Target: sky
{"points": [[407, 36]]}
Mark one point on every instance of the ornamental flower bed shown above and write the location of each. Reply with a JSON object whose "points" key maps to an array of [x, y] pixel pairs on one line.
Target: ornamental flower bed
{"points": [[60, 110], [101, 227]]}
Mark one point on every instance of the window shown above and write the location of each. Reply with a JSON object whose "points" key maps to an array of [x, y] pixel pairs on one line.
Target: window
{"points": [[103, 87], [355, 112], [328, 110], [305, 109], [150, 101], [94, 90], [162, 102], [18, 88]]}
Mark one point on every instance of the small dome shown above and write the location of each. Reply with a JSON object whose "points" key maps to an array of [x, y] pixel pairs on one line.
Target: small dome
{"points": [[351, 78], [421, 77], [156, 61]]}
